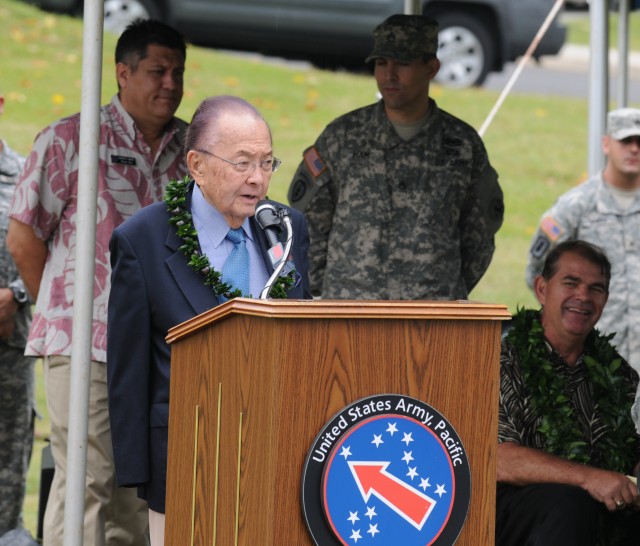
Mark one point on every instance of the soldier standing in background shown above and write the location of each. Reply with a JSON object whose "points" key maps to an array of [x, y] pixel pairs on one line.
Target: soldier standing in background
{"points": [[16, 370], [605, 211], [400, 197]]}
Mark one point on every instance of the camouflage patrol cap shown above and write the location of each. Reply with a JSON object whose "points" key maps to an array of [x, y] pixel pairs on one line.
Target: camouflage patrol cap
{"points": [[623, 123], [405, 38]]}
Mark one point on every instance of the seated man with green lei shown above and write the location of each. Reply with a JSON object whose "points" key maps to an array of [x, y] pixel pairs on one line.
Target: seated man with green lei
{"points": [[567, 441]]}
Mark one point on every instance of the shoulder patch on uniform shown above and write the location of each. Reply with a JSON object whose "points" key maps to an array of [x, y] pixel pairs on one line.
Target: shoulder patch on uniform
{"points": [[540, 247], [314, 162], [550, 228], [298, 189]]}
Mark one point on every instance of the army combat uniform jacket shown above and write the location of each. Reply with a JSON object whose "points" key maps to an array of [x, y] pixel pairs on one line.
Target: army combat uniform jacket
{"points": [[395, 219], [17, 399], [590, 212]]}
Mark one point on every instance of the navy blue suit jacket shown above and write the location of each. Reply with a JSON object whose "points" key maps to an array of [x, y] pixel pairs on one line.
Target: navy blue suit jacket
{"points": [[153, 289]]}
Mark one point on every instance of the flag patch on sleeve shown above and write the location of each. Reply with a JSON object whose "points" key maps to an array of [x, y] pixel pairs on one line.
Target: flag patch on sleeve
{"points": [[314, 162], [550, 228]]}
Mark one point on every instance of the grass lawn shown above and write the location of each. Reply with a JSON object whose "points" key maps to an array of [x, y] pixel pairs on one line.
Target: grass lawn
{"points": [[538, 145], [579, 30]]}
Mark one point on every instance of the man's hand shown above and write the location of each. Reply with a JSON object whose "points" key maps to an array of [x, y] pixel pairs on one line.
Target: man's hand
{"points": [[614, 490], [8, 308], [519, 465]]}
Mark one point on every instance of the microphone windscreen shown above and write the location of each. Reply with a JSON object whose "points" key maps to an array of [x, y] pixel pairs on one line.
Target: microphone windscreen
{"points": [[266, 214]]}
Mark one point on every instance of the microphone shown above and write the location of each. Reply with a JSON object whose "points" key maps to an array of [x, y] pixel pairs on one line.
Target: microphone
{"points": [[269, 220]]}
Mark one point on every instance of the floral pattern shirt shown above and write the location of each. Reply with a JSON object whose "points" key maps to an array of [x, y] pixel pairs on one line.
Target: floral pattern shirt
{"points": [[129, 178]]}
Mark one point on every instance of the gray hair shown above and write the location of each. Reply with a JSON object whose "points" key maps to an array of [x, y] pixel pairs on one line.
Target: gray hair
{"points": [[209, 113]]}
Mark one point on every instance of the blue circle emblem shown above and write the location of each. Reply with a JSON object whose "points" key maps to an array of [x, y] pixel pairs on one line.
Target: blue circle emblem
{"points": [[402, 474], [387, 470]]}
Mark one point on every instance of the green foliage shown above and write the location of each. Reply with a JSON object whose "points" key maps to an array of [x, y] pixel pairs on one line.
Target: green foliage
{"points": [[175, 198], [612, 393]]}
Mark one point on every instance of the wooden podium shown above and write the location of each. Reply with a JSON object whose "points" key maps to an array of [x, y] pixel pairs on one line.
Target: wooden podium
{"points": [[253, 382]]}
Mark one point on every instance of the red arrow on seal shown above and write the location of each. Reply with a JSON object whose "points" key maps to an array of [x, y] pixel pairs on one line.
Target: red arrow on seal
{"points": [[373, 479]]}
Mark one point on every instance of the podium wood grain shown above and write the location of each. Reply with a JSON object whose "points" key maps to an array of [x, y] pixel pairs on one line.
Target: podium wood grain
{"points": [[253, 383]]}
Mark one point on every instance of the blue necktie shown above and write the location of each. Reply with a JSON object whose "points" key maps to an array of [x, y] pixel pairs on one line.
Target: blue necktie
{"points": [[235, 270]]}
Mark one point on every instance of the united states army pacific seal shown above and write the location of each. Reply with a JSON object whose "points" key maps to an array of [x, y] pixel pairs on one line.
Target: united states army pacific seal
{"points": [[386, 470]]}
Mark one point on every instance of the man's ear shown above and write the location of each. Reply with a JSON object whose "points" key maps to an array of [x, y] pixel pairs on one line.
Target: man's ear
{"points": [[195, 165], [540, 289], [606, 139], [122, 74], [434, 67]]}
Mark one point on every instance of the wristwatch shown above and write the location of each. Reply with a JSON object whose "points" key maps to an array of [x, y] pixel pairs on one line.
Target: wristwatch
{"points": [[20, 295]]}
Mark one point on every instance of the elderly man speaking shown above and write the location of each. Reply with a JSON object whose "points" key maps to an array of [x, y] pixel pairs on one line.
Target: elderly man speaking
{"points": [[156, 286]]}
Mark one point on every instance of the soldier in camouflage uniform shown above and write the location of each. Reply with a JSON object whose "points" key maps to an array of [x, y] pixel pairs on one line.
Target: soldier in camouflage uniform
{"points": [[400, 197], [605, 210], [16, 370]]}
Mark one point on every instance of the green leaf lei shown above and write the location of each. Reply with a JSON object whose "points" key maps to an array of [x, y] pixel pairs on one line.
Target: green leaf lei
{"points": [[175, 198], [612, 393]]}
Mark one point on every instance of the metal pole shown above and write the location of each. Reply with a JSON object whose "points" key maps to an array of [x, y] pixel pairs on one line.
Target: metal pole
{"points": [[84, 273], [598, 88], [412, 7], [623, 54]]}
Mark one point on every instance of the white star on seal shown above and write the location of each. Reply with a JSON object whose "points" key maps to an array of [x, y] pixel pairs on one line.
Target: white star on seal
{"points": [[355, 535], [377, 439], [407, 438], [346, 451], [407, 457], [353, 517], [440, 490], [373, 529], [391, 429]]}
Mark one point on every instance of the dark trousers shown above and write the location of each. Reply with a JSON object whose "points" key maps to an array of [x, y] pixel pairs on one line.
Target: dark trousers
{"points": [[560, 515]]}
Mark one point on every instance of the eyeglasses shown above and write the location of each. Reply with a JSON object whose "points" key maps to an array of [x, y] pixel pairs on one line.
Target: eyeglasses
{"points": [[266, 165]]}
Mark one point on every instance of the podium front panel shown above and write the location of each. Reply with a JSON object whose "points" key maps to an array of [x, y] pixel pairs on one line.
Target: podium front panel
{"points": [[249, 394]]}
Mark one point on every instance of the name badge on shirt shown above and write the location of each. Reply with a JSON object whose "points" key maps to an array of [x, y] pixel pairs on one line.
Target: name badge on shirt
{"points": [[122, 160]]}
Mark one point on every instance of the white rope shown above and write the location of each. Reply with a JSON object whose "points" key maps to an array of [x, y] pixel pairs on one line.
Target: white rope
{"points": [[525, 58]]}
